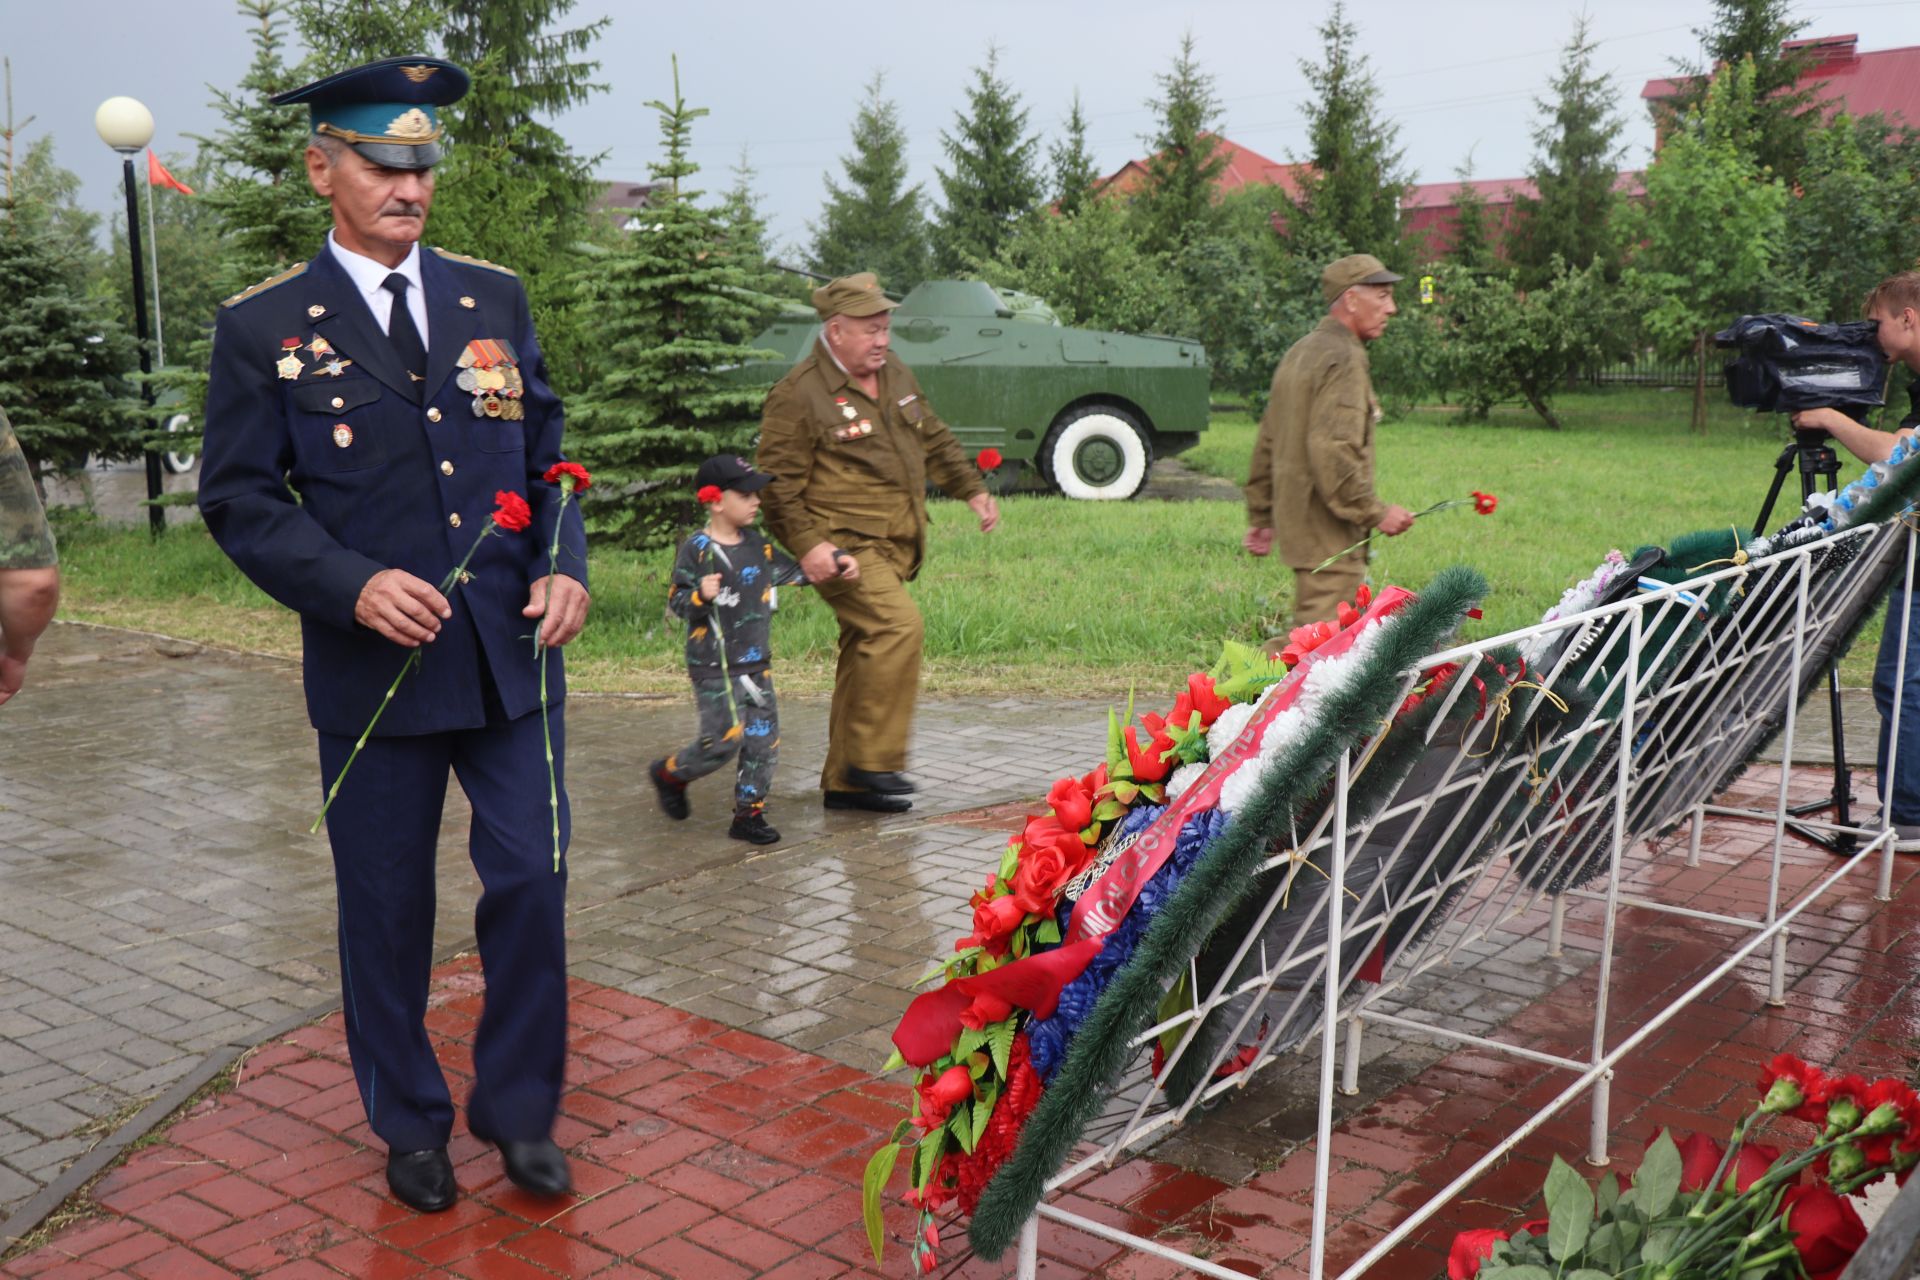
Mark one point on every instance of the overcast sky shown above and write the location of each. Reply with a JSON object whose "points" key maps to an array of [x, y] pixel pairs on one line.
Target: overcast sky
{"points": [[783, 80]]}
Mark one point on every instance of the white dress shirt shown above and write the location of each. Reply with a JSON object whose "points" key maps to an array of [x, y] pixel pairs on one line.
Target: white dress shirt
{"points": [[370, 278]]}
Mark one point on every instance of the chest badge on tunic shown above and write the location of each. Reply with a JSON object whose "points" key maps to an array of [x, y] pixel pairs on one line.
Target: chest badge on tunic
{"points": [[333, 368], [320, 346], [288, 365], [315, 311], [342, 434], [467, 303]]}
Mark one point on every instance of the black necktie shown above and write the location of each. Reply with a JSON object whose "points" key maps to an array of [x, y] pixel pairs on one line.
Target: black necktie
{"points": [[404, 336]]}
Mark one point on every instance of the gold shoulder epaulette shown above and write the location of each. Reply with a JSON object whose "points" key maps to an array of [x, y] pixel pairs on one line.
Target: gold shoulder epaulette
{"points": [[266, 284], [450, 256]]}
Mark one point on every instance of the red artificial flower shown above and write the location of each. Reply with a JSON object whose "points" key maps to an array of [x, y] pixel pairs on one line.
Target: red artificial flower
{"points": [[985, 1010], [1304, 640], [1204, 700], [1826, 1229], [1484, 503], [1072, 803], [510, 511], [1470, 1249], [1346, 615], [938, 1094], [1044, 871], [709, 494], [988, 459], [1790, 1087], [1047, 832], [993, 924], [1149, 763], [581, 480]]}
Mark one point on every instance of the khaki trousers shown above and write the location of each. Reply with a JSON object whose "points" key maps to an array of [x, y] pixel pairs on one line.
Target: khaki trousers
{"points": [[1317, 595], [878, 676]]}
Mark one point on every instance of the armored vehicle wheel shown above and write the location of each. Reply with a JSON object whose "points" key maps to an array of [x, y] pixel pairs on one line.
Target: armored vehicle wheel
{"points": [[1096, 451]]}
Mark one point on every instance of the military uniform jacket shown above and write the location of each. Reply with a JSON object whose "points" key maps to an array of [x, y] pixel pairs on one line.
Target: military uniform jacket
{"points": [[851, 470], [1311, 481], [320, 469]]}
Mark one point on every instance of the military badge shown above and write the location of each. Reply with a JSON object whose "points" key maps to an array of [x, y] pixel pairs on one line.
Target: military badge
{"points": [[342, 434], [335, 367], [466, 302], [490, 373], [288, 365], [320, 346], [315, 311]]}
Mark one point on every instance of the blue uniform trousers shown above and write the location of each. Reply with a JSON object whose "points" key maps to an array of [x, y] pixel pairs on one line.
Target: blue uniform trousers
{"points": [[383, 828], [1904, 785]]}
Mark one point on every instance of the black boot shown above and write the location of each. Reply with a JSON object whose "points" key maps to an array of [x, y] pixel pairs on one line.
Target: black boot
{"points": [[671, 791], [751, 825]]}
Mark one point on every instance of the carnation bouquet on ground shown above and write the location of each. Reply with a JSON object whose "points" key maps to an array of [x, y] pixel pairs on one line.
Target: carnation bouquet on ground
{"points": [[1697, 1211], [1098, 902]]}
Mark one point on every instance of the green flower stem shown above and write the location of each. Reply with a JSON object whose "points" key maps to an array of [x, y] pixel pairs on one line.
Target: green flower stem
{"points": [[1701, 1234], [567, 483], [1438, 506], [720, 641], [413, 660]]}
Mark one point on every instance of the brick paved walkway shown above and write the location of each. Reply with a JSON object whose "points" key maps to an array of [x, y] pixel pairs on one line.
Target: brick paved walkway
{"points": [[731, 1003]]}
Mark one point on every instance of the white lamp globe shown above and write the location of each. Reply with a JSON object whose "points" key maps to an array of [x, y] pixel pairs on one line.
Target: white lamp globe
{"points": [[124, 124]]}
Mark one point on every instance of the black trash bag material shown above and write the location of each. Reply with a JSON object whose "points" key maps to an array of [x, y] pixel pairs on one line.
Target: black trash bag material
{"points": [[1788, 363]]}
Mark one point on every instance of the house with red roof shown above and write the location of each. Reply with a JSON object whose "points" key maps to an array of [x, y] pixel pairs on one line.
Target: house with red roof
{"points": [[1882, 82], [1245, 167]]}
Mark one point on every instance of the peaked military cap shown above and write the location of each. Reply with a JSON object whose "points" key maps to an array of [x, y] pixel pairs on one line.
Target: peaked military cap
{"points": [[384, 110], [857, 296]]}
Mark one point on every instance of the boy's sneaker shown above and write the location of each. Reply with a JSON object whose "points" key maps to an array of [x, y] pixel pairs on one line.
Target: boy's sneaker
{"points": [[751, 825], [671, 791]]}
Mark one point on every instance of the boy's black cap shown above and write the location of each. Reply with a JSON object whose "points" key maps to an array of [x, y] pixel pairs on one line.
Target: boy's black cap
{"points": [[730, 471]]}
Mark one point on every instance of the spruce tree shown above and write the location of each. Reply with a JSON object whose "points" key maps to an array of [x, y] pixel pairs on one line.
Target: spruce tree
{"points": [[1179, 202], [1575, 165], [1074, 176], [1781, 115], [63, 357], [1473, 243], [994, 183], [668, 304], [874, 222], [743, 239], [1351, 198]]}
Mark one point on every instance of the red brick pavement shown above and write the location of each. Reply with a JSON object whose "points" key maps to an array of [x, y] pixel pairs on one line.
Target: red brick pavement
{"points": [[704, 1152]]}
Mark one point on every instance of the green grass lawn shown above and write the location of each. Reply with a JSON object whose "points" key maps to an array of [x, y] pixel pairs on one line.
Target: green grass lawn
{"points": [[1086, 598]]}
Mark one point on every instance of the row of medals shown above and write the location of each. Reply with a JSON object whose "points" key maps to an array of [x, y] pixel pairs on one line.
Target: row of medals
{"points": [[496, 392]]}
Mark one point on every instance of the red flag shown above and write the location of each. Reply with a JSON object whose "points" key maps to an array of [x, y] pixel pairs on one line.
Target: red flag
{"points": [[157, 176]]}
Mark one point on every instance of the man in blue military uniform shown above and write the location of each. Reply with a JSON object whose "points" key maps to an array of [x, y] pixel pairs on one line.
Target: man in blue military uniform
{"points": [[362, 412]]}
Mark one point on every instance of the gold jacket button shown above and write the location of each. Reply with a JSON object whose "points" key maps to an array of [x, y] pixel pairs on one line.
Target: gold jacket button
{"points": [[454, 519], [338, 403], [446, 468], [433, 415]]}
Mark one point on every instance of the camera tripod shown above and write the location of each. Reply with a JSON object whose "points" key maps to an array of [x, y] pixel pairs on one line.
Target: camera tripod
{"points": [[1816, 458]]}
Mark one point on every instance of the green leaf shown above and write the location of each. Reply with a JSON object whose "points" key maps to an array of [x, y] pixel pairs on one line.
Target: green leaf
{"points": [[1607, 1245], [1000, 1042], [1009, 860], [926, 1156], [960, 1125], [982, 1113], [872, 1184], [1048, 931], [968, 1042], [900, 1132], [1569, 1211], [1525, 1272], [1608, 1195], [1658, 1180], [1588, 1273], [1118, 766], [1659, 1246], [894, 1062], [1108, 810]]}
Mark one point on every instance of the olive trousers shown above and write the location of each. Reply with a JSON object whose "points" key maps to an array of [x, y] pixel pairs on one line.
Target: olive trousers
{"points": [[878, 676], [1317, 596]]}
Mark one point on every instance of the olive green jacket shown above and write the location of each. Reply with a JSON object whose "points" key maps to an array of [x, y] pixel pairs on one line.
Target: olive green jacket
{"points": [[853, 470], [1312, 476]]}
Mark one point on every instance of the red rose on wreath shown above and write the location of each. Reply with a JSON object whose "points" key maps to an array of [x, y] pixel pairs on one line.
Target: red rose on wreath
{"points": [[1047, 832], [938, 1094], [1043, 872], [1072, 803], [985, 1010], [993, 924], [1826, 1229], [511, 511]]}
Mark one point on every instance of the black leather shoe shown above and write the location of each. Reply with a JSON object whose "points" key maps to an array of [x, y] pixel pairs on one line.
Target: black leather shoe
{"points": [[887, 784], [538, 1168], [671, 794], [871, 801], [422, 1179]]}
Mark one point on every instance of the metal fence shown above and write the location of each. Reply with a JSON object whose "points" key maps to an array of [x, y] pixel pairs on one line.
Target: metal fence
{"points": [[1637, 714]]}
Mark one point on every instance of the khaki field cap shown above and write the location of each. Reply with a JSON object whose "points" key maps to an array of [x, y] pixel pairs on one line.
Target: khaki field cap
{"points": [[1340, 276], [852, 296]]}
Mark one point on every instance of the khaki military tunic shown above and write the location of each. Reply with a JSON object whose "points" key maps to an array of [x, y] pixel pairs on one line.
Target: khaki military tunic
{"points": [[1311, 481], [853, 470], [25, 542]]}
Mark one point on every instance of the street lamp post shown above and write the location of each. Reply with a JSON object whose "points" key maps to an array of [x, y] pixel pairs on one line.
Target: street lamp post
{"points": [[127, 126]]}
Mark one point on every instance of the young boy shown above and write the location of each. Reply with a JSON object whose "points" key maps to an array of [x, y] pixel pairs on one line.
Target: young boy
{"points": [[723, 584]]}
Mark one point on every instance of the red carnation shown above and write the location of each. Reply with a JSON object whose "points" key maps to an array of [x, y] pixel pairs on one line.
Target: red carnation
{"points": [[989, 459], [709, 494], [1789, 1086], [511, 511], [581, 480], [1470, 1249], [1484, 503]]}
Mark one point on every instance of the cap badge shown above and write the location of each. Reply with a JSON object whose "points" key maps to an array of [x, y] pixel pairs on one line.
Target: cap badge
{"points": [[418, 75], [342, 434], [411, 123]]}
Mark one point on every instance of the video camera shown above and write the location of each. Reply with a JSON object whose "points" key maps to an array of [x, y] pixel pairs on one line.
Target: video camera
{"points": [[1787, 363]]}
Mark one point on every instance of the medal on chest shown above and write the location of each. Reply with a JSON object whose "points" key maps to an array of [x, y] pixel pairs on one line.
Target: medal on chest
{"points": [[490, 373]]}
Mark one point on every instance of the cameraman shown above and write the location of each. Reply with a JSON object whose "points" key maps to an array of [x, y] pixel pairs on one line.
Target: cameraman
{"points": [[1895, 304]]}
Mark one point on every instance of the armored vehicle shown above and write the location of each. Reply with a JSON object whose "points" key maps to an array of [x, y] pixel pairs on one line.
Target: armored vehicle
{"points": [[1089, 409]]}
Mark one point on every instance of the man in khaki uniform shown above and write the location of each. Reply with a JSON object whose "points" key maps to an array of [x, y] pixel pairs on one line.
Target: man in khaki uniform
{"points": [[851, 443], [29, 576], [1312, 473]]}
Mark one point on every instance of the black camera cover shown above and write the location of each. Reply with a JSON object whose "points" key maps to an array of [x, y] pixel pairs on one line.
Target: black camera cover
{"points": [[1788, 363]]}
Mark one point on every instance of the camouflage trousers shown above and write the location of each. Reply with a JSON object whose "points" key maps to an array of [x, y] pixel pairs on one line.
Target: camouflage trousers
{"points": [[755, 737], [25, 542]]}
